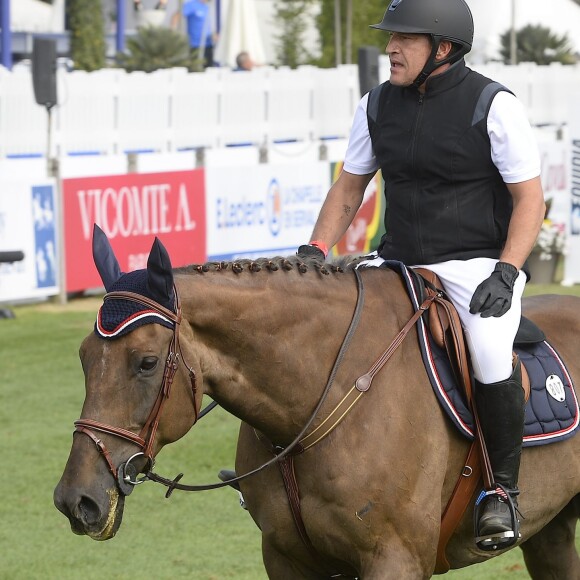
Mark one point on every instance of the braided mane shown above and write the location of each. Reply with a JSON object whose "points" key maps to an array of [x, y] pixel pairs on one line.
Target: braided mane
{"points": [[341, 265]]}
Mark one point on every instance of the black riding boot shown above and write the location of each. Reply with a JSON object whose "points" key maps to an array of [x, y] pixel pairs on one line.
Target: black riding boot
{"points": [[500, 407]]}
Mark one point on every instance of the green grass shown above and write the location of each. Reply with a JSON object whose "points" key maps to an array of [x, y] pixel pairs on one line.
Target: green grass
{"points": [[200, 536]]}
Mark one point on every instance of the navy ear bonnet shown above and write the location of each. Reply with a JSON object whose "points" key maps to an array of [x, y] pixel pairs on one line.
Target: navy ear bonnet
{"points": [[118, 317]]}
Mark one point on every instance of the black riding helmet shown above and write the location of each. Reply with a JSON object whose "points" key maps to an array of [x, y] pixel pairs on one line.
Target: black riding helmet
{"points": [[440, 19]]}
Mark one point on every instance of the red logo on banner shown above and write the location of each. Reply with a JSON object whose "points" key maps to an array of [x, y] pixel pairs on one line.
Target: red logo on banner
{"points": [[132, 210], [365, 225]]}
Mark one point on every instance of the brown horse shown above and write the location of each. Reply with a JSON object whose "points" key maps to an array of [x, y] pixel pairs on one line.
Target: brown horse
{"points": [[261, 339]]}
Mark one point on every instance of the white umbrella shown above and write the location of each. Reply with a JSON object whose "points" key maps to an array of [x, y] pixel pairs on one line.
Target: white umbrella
{"points": [[240, 32]]}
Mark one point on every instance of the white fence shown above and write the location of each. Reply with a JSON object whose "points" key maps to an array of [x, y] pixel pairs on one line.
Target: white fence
{"points": [[549, 93], [112, 112]]}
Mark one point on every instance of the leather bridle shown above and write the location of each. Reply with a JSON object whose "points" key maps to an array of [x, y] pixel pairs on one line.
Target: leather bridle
{"points": [[126, 473]]}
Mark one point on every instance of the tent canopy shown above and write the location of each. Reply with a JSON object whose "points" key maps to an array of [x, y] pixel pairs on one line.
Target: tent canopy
{"points": [[240, 32]]}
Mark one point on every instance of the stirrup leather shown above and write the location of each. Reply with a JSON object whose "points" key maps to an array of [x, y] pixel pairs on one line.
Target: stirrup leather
{"points": [[500, 540]]}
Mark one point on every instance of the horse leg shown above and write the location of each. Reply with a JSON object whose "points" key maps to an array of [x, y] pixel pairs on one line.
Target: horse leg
{"points": [[284, 554], [396, 562], [280, 567], [551, 553]]}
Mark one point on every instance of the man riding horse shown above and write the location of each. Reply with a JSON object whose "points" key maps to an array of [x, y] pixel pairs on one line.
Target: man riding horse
{"points": [[464, 199]]}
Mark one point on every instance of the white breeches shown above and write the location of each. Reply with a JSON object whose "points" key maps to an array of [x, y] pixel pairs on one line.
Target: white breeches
{"points": [[490, 340]]}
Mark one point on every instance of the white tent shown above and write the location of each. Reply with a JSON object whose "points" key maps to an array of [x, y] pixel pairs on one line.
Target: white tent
{"points": [[241, 31], [494, 17]]}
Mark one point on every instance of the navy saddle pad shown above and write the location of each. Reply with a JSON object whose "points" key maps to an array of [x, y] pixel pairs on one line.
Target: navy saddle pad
{"points": [[551, 413]]}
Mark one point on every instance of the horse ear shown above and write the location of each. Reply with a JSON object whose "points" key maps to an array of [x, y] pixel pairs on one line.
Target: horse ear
{"points": [[160, 274], [104, 258]]}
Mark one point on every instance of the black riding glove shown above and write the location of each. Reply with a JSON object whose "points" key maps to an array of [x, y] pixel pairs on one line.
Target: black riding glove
{"points": [[493, 297], [310, 251]]}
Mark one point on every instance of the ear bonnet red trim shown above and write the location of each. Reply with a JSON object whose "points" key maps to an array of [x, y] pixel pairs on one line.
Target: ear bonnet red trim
{"points": [[119, 317]]}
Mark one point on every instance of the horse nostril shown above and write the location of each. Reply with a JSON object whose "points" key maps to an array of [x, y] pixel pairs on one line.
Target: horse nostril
{"points": [[88, 511], [61, 502]]}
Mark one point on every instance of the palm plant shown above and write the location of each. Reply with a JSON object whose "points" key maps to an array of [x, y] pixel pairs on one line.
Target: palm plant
{"points": [[156, 47], [538, 44]]}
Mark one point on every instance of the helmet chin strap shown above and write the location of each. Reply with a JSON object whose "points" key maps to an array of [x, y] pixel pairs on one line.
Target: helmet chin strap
{"points": [[432, 64]]}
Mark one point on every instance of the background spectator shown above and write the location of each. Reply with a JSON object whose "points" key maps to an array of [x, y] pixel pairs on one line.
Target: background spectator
{"points": [[244, 61], [200, 29]]}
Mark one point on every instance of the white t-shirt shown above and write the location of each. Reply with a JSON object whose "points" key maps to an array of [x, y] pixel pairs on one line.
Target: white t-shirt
{"points": [[513, 146]]}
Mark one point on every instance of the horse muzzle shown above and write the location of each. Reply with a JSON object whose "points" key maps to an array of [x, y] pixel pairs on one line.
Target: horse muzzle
{"points": [[97, 514]]}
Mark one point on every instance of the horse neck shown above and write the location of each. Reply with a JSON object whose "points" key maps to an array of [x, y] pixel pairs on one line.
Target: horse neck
{"points": [[266, 341]]}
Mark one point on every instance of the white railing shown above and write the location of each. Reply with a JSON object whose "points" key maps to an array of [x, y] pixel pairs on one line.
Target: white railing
{"points": [[549, 93], [113, 112]]}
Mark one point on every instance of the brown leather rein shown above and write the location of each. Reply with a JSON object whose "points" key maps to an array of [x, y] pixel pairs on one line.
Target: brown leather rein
{"points": [[126, 474], [280, 452]]}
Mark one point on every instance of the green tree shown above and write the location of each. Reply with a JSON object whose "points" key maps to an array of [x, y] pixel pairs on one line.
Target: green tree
{"points": [[291, 19], [364, 14], [538, 44], [156, 47], [87, 34]]}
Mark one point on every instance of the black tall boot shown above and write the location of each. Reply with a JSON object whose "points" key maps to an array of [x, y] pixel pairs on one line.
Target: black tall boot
{"points": [[500, 407]]}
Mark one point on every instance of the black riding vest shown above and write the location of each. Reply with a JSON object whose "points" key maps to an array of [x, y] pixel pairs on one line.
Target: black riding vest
{"points": [[445, 198]]}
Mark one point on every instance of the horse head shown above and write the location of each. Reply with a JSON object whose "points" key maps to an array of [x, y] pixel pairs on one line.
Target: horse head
{"points": [[132, 362]]}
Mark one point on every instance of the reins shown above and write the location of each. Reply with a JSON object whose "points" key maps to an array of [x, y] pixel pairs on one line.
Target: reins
{"points": [[174, 484], [126, 473], [363, 383]]}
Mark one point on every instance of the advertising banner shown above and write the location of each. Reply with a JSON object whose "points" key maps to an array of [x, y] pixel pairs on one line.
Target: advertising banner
{"points": [[132, 210], [263, 211], [555, 182], [28, 223], [572, 264], [365, 231]]}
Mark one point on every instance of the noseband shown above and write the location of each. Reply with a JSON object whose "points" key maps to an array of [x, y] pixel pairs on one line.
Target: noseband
{"points": [[126, 474]]}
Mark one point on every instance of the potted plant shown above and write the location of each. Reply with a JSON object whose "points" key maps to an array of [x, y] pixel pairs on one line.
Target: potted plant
{"points": [[545, 256], [551, 240]]}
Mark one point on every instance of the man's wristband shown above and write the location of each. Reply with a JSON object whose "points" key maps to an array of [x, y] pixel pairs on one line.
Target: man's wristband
{"points": [[320, 245]]}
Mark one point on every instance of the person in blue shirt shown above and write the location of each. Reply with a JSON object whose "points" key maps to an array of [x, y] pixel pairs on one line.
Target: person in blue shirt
{"points": [[199, 28]]}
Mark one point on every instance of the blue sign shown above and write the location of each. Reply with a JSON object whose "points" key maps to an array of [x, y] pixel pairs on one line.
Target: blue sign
{"points": [[45, 247]]}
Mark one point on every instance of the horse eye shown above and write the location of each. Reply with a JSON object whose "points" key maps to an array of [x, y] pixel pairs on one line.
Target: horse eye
{"points": [[148, 363]]}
